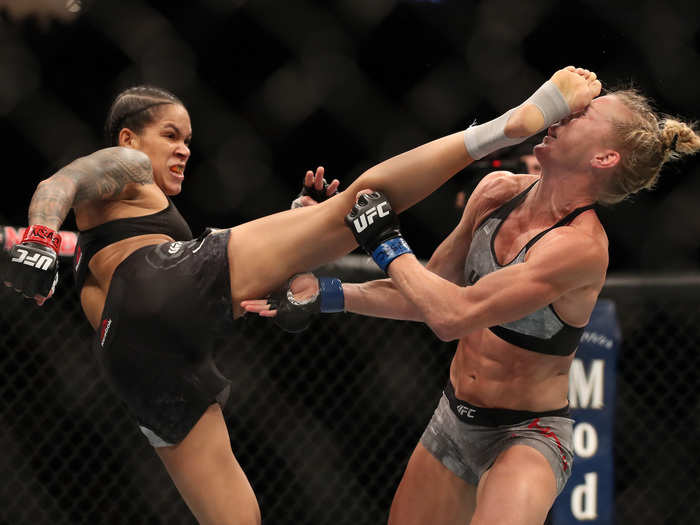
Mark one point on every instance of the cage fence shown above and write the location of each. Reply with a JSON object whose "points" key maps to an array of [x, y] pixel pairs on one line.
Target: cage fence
{"points": [[323, 422]]}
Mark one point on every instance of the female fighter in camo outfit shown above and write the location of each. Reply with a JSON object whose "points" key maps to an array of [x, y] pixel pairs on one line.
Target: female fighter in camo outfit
{"points": [[515, 283]]}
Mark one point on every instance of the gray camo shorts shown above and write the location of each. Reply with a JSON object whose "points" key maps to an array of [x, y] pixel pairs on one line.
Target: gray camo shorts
{"points": [[469, 449]]}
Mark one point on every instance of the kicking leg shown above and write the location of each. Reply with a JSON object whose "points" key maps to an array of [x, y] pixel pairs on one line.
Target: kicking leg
{"points": [[266, 252]]}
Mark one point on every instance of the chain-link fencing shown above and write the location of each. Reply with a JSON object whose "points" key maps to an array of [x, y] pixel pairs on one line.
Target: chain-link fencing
{"points": [[323, 422]]}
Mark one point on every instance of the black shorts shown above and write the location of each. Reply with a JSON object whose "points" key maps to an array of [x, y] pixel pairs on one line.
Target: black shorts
{"points": [[165, 305]]}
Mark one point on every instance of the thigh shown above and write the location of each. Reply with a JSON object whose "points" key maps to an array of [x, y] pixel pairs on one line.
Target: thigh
{"points": [[431, 493], [264, 253], [208, 476], [518, 489]]}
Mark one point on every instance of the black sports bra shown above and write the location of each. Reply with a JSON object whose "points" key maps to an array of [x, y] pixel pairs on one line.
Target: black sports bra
{"points": [[167, 221]]}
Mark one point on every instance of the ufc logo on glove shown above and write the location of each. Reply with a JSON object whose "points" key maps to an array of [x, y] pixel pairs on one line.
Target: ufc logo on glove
{"points": [[36, 260], [367, 217]]}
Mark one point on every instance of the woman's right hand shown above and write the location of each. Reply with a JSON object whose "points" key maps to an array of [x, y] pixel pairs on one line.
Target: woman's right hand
{"points": [[33, 266]]}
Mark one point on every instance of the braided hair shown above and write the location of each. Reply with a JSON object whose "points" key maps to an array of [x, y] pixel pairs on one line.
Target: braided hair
{"points": [[134, 108]]}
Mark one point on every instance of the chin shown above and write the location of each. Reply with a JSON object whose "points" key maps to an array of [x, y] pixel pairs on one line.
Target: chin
{"points": [[169, 185], [539, 151], [174, 189]]}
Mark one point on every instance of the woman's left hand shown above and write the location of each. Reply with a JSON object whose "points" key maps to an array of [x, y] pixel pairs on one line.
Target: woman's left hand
{"points": [[315, 189]]}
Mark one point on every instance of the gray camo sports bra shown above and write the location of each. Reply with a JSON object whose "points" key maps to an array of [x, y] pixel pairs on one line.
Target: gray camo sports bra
{"points": [[541, 331]]}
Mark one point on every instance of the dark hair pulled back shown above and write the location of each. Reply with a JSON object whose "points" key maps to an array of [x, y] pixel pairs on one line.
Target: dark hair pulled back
{"points": [[135, 108]]}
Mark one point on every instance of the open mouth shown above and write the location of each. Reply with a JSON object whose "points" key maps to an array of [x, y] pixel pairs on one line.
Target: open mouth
{"points": [[177, 170]]}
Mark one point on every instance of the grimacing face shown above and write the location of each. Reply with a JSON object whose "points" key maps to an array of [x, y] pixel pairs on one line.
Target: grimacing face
{"points": [[576, 140], [166, 141]]}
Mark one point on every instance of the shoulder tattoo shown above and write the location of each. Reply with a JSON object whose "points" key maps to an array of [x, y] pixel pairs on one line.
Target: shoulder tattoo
{"points": [[108, 172], [102, 175]]}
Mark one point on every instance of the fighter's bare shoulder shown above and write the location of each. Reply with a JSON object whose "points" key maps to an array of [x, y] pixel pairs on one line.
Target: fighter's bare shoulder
{"points": [[494, 190], [580, 247]]}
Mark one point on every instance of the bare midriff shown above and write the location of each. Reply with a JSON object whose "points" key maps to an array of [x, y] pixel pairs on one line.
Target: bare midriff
{"points": [[489, 372]]}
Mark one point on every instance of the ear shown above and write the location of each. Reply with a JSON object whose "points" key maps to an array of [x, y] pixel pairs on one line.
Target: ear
{"points": [[128, 138], [608, 158]]}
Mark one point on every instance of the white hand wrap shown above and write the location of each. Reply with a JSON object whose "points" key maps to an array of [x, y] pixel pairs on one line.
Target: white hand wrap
{"points": [[486, 138]]}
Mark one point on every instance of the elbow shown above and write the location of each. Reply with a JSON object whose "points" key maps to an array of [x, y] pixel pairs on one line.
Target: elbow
{"points": [[445, 328], [43, 184]]}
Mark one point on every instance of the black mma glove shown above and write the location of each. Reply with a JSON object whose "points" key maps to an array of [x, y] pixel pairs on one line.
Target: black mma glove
{"points": [[317, 195], [33, 267], [295, 315], [376, 228]]}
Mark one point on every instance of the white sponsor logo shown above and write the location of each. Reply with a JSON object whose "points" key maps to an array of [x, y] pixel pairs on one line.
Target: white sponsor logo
{"points": [[78, 258], [174, 247], [466, 411], [37, 260], [105, 330], [200, 244], [367, 217], [597, 339]]}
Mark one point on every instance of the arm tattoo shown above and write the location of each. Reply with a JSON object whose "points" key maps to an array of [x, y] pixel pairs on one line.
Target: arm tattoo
{"points": [[100, 176]]}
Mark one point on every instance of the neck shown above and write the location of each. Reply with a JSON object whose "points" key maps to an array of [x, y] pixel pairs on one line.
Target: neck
{"points": [[559, 193]]}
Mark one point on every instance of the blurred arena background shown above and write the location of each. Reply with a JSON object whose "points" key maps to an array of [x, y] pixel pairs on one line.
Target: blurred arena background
{"points": [[323, 422]]}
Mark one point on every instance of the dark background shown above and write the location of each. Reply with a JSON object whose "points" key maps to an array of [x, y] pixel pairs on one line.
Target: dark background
{"points": [[323, 422], [278, 87]]}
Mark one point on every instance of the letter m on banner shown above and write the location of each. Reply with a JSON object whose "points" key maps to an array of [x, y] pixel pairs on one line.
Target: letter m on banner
{"points": [[588, 497], [586, 387]]}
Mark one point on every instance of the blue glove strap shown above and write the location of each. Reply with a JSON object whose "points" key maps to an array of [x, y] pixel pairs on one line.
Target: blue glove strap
{"points": [[331, 293], [390, 250]]}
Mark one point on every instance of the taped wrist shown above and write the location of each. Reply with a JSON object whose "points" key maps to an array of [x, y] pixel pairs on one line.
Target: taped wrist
{"points": [[42, 235], [332, 298], [389, 250], [484, 139], [550, 102]]}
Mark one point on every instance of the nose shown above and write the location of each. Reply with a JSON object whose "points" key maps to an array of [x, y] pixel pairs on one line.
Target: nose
{"points": [[182, 151]]}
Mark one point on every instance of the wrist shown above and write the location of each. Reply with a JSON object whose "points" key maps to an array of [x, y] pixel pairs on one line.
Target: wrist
{"points": [[389, 250], [550, 102], [332, 298], [483, 139], [40, 234]]}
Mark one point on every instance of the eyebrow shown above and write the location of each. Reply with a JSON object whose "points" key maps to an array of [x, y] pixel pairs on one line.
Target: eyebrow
{"points": [[177, 130]]}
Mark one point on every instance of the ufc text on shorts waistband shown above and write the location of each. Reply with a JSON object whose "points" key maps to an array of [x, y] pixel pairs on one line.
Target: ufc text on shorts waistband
{"points": [[494, 417]]}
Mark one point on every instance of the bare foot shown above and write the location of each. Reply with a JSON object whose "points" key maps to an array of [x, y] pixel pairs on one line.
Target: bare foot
{"points": [[578, 87]]}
